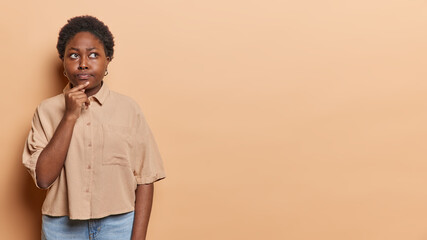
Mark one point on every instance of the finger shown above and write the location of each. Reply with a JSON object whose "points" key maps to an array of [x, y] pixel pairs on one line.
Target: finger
{"points": [[77, 98], [82, 100], [82, 103], [75, 94], [78, 93], [79, 87]]}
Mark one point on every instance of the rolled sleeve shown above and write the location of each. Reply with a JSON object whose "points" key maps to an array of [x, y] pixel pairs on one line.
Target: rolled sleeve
{"points": [[34, 145], [148, 164]]}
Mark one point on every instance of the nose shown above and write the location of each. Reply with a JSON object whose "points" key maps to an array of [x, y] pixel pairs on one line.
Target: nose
{"points": [[83, 64]]}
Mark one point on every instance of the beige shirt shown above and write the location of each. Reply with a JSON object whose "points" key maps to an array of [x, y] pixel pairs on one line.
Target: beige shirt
{"points": [[112, 150]]}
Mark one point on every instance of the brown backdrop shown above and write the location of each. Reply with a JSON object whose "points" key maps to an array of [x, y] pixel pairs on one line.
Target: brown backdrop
{"points": [[276, 119]]}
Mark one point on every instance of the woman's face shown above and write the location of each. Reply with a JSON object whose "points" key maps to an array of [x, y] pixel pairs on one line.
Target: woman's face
{"points": [[85, 61]]}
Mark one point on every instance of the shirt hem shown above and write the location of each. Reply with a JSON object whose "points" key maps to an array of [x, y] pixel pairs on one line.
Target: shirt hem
{"points": [[96, 216]]}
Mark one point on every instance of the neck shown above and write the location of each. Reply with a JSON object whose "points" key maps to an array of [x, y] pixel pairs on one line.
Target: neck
{"points": [[93, 91]]}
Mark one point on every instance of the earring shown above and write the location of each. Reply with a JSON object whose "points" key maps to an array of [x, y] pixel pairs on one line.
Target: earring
{"points": [[106, 72], [65, 74]]}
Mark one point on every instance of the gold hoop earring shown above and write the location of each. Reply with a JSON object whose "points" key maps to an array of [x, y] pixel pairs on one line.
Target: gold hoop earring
{"points": [[106, 72]]}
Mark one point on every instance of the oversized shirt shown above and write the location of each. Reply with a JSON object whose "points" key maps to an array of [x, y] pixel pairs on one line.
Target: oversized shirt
{"points": [[112, 150]]}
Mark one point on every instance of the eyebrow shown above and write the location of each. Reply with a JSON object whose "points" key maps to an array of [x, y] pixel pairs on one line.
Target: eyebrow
{"points": [[88, 49]]}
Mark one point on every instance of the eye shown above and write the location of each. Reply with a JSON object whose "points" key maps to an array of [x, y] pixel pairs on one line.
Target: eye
{"points": [[93, 55], [74, 55]]}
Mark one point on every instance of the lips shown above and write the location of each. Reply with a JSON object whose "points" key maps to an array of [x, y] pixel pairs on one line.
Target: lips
{"points": [[83, 76]]}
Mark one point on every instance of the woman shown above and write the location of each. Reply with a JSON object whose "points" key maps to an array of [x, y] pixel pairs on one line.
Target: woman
{"points": [[91, 147]]}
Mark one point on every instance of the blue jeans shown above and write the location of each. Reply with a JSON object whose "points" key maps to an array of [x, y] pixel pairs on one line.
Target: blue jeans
{"points": [[114, 227]]}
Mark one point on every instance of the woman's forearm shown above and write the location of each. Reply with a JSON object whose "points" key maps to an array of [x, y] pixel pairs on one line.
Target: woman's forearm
{"points": [[143, 204], [51, 159]]}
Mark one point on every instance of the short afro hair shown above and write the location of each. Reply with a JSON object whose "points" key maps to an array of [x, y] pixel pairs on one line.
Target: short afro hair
{"points": [[85, 24]]}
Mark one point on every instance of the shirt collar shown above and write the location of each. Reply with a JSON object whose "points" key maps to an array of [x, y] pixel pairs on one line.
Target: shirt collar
{"points": [[100, 96]]}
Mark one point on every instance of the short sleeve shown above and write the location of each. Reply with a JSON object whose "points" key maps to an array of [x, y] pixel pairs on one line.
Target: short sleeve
{"points": [[147, 162], [34, 145]]}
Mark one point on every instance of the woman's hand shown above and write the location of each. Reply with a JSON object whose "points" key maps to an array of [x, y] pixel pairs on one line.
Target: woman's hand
{"points": [[75, 100]]}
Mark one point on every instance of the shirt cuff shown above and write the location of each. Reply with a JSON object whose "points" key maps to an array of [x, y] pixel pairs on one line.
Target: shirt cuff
{"points": [[149, 179]]}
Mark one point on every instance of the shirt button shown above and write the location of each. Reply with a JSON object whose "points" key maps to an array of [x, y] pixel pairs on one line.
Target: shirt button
{"points": [[88, 123]]}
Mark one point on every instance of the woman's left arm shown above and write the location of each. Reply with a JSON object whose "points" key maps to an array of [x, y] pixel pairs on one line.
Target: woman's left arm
{"points": [[143, 203]]}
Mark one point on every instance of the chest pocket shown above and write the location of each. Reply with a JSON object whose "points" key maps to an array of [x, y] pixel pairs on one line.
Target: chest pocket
{"points": [[117, 147]]}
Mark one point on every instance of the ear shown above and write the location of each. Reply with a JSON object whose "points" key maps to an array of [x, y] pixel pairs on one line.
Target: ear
{"points": [[63, 66], [107, 62]]}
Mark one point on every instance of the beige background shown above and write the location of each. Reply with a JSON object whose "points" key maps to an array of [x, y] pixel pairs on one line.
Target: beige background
{"points": [[294, 120]]}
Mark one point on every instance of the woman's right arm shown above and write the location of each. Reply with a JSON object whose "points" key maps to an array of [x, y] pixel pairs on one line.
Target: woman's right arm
{"points": [[52, 158]]}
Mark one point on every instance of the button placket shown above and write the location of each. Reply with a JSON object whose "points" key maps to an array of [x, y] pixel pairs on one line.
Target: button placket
{"points": [[89, 156], [87, 121]]}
